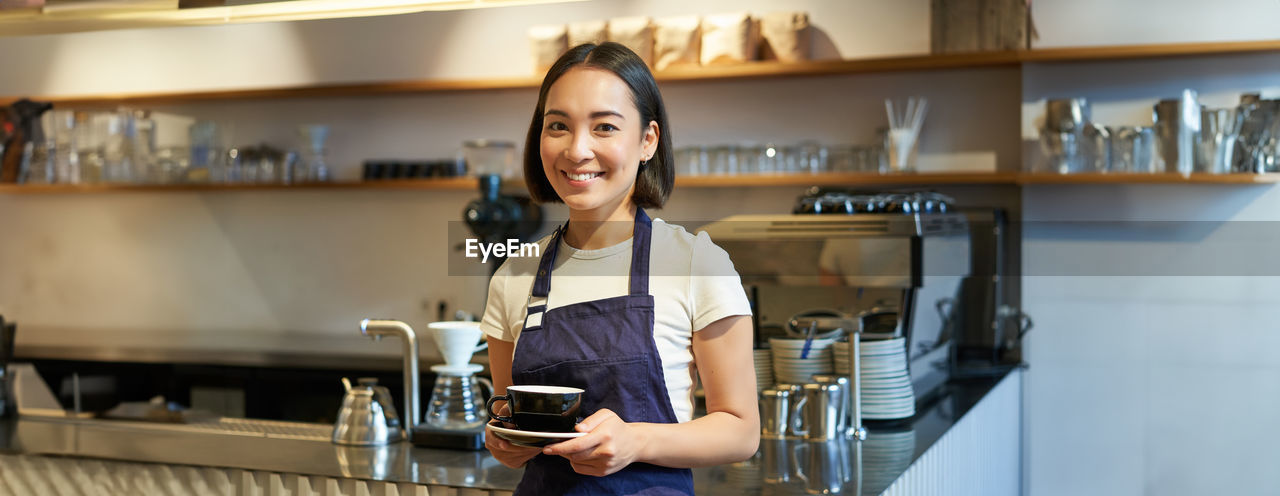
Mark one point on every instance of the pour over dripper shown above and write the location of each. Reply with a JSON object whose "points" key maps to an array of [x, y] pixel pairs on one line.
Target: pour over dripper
{"points": [[457, 341]]}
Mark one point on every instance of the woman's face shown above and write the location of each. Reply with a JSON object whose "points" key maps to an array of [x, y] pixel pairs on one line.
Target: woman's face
{"points": [[593, 141]]}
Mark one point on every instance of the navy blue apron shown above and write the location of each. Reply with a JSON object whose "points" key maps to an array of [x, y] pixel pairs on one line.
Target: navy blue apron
{"points": [[605, 347]]}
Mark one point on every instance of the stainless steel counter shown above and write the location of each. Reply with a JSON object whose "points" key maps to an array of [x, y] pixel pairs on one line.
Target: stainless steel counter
{"points": [[781, 467], [848, 467], [285, 447]]}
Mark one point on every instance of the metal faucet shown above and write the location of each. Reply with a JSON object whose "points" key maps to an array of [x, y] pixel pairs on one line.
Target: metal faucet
{"points": [[376, 329]]}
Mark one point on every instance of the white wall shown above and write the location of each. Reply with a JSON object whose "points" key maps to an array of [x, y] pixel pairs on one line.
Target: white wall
{"points": [[1153, 368]]}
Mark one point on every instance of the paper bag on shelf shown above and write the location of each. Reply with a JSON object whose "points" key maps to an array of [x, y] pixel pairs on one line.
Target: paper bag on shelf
{"points": [[785, 36], [729, 39], [547, 43], [635, 33], [588, 32], [677, 41], [20, 4]]}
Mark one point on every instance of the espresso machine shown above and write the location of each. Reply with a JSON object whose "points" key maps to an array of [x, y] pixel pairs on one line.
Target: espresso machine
{"points": [[889, 264]]}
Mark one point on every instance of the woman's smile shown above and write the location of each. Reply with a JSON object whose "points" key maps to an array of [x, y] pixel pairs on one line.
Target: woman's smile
{"points": [[581, 179]]}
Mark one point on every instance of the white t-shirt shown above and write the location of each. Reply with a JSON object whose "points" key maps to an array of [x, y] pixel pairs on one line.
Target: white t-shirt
{"points": [[692, 281]]}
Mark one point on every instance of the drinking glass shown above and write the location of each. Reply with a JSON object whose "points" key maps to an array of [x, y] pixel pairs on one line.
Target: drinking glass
{"points": [[207, 163], [901, 145], [59, 128], [724, 160], [39, 163], [110, 128], [842, 158], [786, 159], [171, 164], [750, 158], [1060, 151], [774, 159], [812, 157], [87, 137], [692, 160]]}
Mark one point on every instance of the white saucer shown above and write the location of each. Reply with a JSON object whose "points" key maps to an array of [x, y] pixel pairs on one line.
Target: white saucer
{"points": [[531, 439], [462, 370]]}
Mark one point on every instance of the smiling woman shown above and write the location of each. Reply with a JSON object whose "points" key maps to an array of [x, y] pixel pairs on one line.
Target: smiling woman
{"points": [[600, 143]]}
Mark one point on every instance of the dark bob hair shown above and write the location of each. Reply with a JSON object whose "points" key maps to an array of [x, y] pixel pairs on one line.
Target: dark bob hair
{"points": [[657, 176]]}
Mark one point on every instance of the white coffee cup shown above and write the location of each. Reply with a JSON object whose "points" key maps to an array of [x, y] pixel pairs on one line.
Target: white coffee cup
{"points": [[456, 340]]}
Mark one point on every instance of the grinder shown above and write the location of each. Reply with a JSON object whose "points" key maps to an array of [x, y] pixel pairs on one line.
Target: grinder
{"points": [[495, 218], [18, 130]]}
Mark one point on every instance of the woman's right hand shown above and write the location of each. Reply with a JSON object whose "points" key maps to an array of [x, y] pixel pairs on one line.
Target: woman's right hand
{"points": [[508, 454]]}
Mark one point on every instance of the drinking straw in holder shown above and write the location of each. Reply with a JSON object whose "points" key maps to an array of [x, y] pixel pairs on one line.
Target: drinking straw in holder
{"points": [[904, 129]]}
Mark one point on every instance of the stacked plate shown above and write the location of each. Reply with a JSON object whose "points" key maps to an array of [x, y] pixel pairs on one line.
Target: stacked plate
{"points": [[764, 369], [790, 368], [840, 357], [886, 383]]}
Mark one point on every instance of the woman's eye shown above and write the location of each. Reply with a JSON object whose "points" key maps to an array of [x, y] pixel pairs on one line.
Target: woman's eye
{"points": [[608, 128], [557, 126]]}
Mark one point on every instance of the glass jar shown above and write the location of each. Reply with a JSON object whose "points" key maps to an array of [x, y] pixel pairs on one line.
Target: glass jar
{"points": [[491, 157]]}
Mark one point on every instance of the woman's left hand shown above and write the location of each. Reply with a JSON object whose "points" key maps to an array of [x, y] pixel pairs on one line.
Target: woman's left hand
{"points": [[609, 446]]}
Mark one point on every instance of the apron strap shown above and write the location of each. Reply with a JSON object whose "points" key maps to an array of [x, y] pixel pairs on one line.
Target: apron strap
{"points": [[542, 282], [640, 253]]}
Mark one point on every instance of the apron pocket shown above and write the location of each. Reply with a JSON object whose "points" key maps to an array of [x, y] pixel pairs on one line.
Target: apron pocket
{"points": [[620, 384]]}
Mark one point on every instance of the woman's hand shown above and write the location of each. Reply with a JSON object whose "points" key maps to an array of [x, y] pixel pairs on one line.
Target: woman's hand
{"points": [[609, 446], [508, 454]]}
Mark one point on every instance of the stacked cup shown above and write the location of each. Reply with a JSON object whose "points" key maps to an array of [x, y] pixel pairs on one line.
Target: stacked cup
{"points": [[764, 369], [790, 367]]}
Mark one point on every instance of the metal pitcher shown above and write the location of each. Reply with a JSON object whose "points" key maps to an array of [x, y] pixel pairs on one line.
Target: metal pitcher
{"points": [[368, 416], [822, 410]]}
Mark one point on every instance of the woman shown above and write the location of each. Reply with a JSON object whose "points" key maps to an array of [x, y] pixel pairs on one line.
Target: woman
{"points": [[599, 142]]}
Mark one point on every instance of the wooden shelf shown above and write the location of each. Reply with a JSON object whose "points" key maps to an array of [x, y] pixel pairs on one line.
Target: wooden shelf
{"points": [[1120, 52], [449, 184], [845, 179], [754, 70], [1098, 178], [737, 181], [303, 91]]}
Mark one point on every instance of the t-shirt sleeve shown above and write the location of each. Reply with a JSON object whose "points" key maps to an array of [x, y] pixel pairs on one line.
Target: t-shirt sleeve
{"points": [[714, 285], [496, 322]]}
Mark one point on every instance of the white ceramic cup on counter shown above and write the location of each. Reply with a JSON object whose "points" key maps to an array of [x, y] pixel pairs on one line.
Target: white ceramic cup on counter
{"points": [[457, 340]]}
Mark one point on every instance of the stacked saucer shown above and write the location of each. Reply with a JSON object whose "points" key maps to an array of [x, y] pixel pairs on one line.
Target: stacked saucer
{"points": [[886, 383], [764, 369], [790, 368]]}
